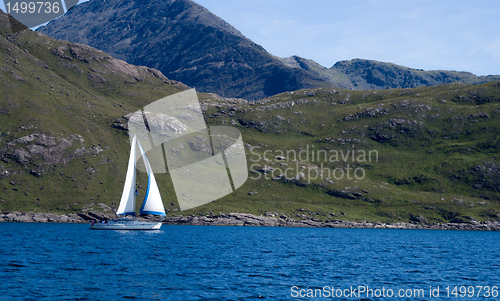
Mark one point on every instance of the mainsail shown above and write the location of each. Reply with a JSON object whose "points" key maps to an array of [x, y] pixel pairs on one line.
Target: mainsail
{"points": [[127, 202], [153, 203]]}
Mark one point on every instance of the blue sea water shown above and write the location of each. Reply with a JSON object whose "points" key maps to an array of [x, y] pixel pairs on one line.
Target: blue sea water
{"points": [[71, 262]]}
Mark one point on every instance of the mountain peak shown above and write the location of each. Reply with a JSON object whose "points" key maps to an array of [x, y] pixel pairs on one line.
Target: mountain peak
{"points": [[183, 40], [188, 43]]}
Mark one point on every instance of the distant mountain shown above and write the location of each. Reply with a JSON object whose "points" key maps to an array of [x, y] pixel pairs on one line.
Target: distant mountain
{"points": [[183, 40], [188, 43], [359, 74], [368, 74]]}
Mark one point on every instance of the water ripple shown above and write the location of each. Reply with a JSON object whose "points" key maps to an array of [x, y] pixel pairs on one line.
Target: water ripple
{"points": [[70, 262]]}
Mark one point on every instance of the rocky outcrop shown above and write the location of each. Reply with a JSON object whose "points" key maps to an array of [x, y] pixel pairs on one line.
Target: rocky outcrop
{"points": [[484, 176], [38, 153], [50, 149]]}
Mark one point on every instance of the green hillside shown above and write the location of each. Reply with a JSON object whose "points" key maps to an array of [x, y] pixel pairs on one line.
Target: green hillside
{"points": [[422, 155], [60, 146]]}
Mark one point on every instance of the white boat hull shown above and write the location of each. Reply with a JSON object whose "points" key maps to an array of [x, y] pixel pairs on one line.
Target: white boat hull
{"points": [[126, 224]]}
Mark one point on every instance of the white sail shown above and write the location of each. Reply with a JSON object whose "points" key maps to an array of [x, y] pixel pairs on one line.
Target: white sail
{"points": [[153, 203], [127, 202]]}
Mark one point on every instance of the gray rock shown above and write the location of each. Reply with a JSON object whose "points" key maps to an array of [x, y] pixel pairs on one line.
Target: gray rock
{"points": [[245, 219]]}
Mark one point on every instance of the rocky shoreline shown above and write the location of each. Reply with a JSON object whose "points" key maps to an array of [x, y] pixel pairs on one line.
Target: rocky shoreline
{"points": [[244, 219], [21, 217]]}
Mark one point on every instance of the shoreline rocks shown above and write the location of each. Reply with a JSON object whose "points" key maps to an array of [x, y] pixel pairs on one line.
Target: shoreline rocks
{"points": [[245, 219], [19, 217]]}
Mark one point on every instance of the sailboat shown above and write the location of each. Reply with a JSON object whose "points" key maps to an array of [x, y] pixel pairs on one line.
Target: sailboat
{"points": [[152, 203]]}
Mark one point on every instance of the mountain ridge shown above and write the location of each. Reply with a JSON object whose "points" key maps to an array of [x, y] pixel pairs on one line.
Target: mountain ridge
{"points": [[363, 74], [188, 43], [184, 41]]}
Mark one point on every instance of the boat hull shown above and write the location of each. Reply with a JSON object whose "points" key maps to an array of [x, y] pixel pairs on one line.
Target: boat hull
{"points": [[126, 225]]}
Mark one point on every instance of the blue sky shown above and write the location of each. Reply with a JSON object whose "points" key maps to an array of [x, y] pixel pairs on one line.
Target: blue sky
{"points": [[431, 35]]}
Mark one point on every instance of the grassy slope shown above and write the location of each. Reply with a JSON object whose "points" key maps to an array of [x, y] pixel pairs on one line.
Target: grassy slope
{"points": [[438, 147], [438, 153], [74, 91]]}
